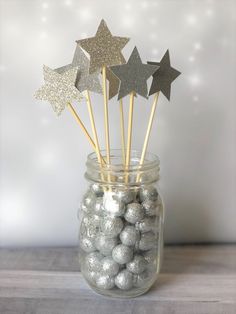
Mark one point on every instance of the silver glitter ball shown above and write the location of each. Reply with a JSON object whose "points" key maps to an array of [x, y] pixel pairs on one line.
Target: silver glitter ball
{"points": [[90, 275], [147, 224], [113, 206], [129, 235], [109, 266], [98, 206], [124, 280], [105, 282], [148, 192], [142, 279], [111, 226], [150, 207], [93, 261], [88, 202], [90, 225], [137, 265], [148, 241], [105, 244], [122, 254], [126, 196], [151, 258], [134, 213], [87, 244], [97, 189]]}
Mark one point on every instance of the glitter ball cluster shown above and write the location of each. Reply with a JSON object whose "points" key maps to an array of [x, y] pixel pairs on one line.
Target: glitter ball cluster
{"points": [[119, 237]]}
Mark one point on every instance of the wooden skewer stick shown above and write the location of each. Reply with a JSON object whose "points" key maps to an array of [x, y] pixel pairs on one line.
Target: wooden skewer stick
{"points": [[129, 134], [147, 136], [107, 136], [95, 136], [122, 128], [77, 118]]}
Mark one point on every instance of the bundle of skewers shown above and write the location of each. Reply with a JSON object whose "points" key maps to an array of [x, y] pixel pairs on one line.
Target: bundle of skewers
{"points": [[78, 79]]}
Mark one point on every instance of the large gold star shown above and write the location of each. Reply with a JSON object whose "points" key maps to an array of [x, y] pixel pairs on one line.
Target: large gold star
{"points": [[104, 49], [59, 89]]}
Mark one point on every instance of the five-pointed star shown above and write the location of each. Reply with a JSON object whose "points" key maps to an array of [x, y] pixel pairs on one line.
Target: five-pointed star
{"points": [[104, 49], [59, 89], [133, 75], [163, 77], [84, 80]]}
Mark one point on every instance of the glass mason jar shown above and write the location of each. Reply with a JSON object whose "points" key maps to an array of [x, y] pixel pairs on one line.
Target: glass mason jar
{"points": [[121, 225]]}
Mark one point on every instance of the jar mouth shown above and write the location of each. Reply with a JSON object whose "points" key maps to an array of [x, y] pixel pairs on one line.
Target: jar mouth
{"points": [[151, 160], [149, 169]]}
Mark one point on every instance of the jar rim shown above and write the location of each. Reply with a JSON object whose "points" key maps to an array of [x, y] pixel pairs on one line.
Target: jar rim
{"points": [[116, 174], [150, 161]]}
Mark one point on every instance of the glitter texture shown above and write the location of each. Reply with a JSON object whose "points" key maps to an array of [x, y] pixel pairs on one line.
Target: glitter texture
{"points": [[129, 235], [163, 77], [137, 265], [109, 267], [134, 213], [84, 80], [59, 89], [133, 75], [104, 49], [105, 282], [148, 241], [105, 244], [124, 280], [114, 83], [122, 254], [111, 226]]}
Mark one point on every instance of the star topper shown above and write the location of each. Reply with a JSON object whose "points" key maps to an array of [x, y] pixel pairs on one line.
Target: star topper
{"points": [[59, 89], [133, 75], [84, 80], [164, 76], [104, 49]]}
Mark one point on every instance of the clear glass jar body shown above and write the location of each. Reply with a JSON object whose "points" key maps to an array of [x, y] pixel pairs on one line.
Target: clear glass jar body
{"points": [[121, 226]]}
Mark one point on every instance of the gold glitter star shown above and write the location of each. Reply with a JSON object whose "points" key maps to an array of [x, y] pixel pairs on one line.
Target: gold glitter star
{"points": [[59, 89], [104, 49]]}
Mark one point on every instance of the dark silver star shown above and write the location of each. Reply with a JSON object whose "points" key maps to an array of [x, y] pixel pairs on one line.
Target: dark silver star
{"points": [[84, 80], [133, 75], [163, 77]]}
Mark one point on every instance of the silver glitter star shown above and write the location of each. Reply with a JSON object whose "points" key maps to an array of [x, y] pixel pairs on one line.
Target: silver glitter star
{"points": [[59, 89], [104, 49], [133, 75], [84, 80]]}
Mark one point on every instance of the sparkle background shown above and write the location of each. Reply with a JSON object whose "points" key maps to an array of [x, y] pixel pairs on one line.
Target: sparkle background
{"points": [[43, 157]]}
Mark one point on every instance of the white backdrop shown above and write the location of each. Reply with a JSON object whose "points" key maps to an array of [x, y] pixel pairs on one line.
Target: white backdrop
{"points": [[43, 157]]}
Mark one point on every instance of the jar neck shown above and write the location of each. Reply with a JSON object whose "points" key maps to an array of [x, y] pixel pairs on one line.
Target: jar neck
{"points": [[117, 174]]}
